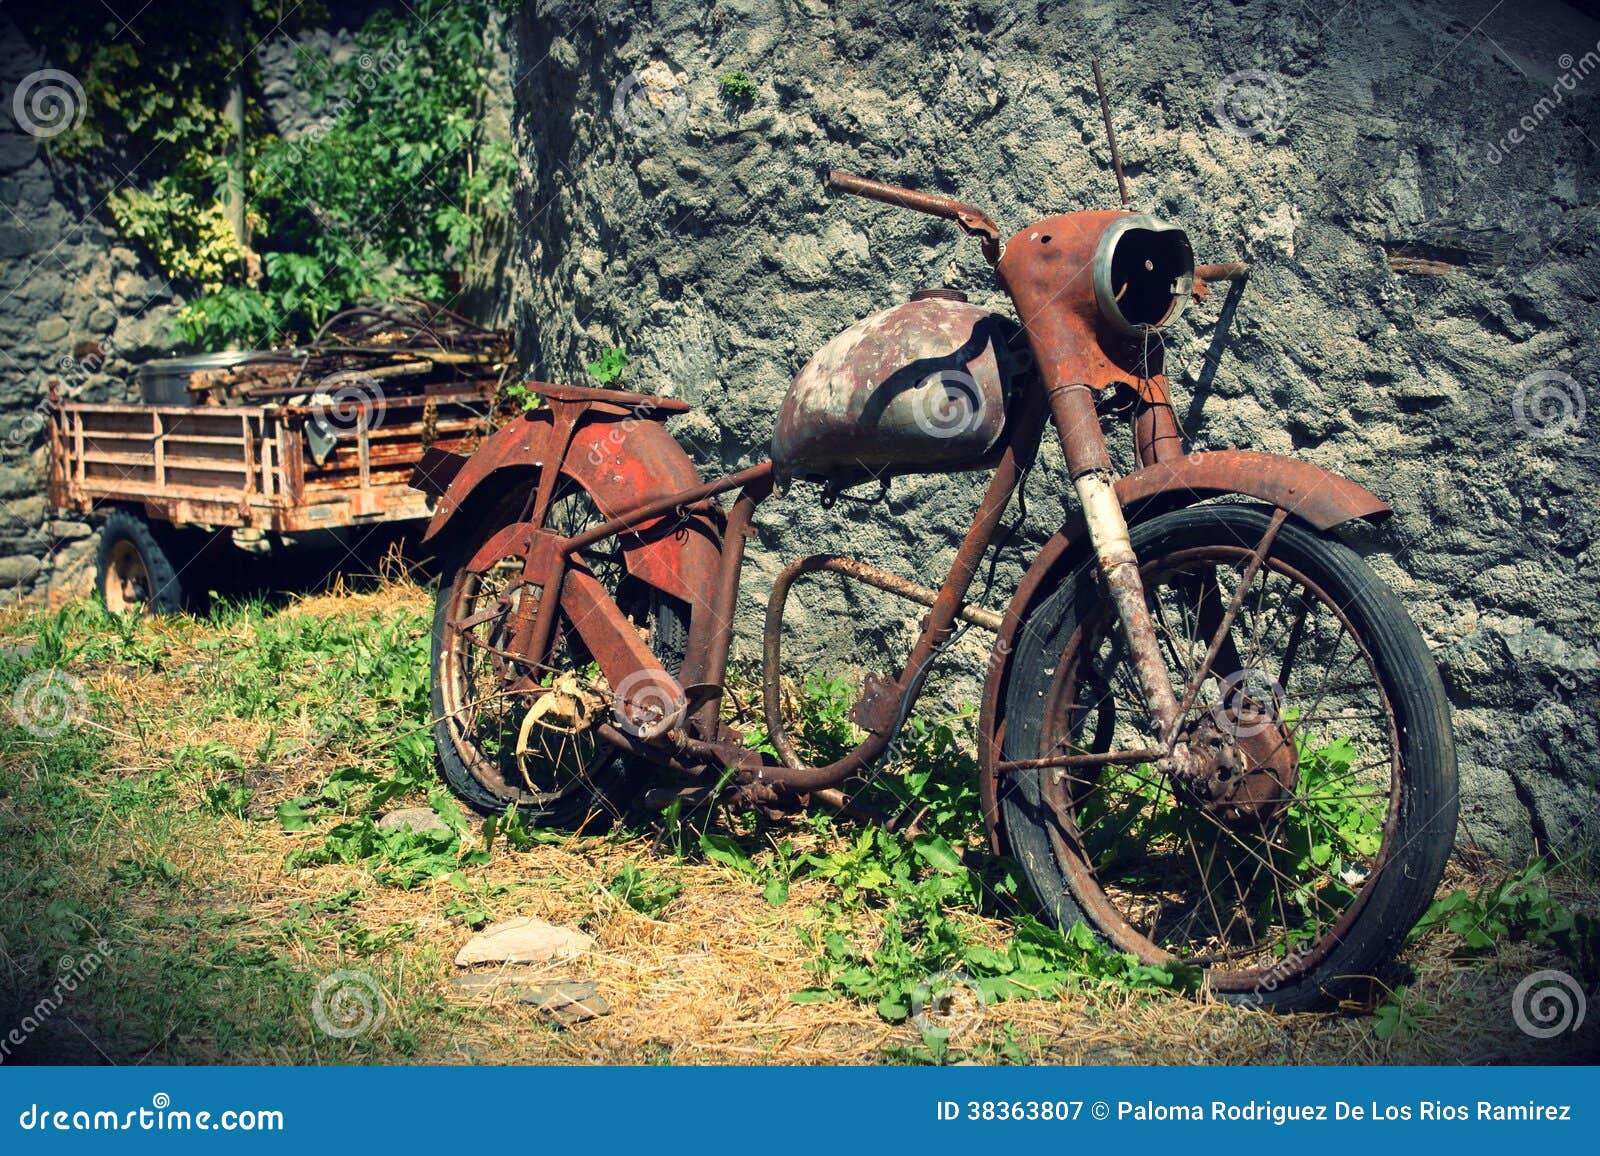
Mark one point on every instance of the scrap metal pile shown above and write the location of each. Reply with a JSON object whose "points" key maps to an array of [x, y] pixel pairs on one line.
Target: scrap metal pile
{"points": [[394, 350]]}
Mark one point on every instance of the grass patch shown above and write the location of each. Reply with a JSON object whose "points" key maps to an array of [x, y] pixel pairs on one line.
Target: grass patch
{"points": [[198, 847]]}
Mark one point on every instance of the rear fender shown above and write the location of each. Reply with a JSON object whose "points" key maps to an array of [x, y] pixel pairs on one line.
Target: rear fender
{"points": [[621, 460], [1307, 491]]}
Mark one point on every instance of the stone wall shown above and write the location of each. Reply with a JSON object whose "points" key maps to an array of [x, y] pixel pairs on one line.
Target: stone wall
{"points": [[1420, 226], [81, 305], [75, 304]]}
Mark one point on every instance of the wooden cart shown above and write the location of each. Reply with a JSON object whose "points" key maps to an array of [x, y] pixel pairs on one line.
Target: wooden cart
{"points": [[166, 475]]}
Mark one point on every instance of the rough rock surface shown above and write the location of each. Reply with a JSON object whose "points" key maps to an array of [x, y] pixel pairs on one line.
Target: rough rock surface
{"points": [[523, 940], [566, 1001], [422, 820], [691, 229]]}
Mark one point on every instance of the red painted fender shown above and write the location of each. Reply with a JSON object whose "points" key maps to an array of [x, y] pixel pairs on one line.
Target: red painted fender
{"points": [[1307, 491], [621, 459]]}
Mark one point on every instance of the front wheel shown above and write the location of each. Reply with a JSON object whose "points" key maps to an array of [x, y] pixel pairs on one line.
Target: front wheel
{"points": [[1323, 834]]}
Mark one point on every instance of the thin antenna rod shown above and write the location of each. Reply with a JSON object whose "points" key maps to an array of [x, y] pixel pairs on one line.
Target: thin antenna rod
{"points": [[1111, 133]]}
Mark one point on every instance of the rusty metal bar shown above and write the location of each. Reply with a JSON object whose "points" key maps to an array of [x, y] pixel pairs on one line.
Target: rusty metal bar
{"points": [[1223, 271], [713, 639], [158, 448], [656, 507], [973, 221], [935, 628], [1111, 133], [364, 448], [894, 584], [1107, 758]]}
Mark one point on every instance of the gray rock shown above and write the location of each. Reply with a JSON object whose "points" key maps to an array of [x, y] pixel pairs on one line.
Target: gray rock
{"points": [[419, 819], [52, 330], [567, 1001], [15, 481], [523, 940], [28, 511], [19, 570], [14, 242], [102, 319], [16, 150]]}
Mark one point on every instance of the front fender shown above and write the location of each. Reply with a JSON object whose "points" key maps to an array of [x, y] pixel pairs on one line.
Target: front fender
{"points": [[1307, 491], [621, 460]]}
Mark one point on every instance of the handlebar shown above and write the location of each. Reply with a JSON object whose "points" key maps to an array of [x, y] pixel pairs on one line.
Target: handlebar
{"points": [[977, 223], [974, 222]]}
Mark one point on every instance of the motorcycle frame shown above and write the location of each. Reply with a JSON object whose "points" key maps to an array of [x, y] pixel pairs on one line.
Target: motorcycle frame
{"points": [[1074, 364], [611, 638], [615, 644]]}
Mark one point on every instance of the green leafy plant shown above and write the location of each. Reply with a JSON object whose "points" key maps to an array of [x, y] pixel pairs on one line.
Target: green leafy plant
{"points": [[611, 366], [924, 894], [1400, 1016], [649, 893], [1518, 907], [522, 398], [737, 88], [393, 196], [191, 241]]}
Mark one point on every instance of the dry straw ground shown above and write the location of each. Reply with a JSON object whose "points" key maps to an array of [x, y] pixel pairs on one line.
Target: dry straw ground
{"points": [[153, 831]]}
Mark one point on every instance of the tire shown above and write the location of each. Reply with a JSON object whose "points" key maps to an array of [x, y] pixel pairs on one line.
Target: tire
{"points": [[588, 795], [1056, 845], [134, 571]]}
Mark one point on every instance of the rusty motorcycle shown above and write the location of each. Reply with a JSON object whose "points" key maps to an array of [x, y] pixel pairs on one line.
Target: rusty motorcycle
{"points": [[1207, 728]]}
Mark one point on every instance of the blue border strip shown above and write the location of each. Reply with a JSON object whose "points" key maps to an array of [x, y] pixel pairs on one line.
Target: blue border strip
{"points": [[783, 1110]]}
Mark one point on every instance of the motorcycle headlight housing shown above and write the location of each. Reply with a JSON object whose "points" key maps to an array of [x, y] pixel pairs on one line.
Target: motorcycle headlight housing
{"points": [[1143, 273]]}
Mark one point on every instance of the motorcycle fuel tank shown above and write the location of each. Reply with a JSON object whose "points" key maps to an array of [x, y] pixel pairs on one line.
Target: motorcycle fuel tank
{"points": [[919, 388]]}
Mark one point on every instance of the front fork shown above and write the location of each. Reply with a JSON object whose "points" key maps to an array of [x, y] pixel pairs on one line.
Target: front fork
{"points": [[1089, 464]]}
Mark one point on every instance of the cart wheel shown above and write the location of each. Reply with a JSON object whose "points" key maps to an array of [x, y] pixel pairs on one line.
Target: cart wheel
{"points": [[135, 573]]}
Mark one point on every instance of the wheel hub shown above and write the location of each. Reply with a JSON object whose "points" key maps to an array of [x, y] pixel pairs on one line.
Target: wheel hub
{"points": [[1240, 765]]}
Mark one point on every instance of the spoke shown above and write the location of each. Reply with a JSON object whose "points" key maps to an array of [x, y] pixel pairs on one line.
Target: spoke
{"points": [[1205, 879], [1292, 648]]}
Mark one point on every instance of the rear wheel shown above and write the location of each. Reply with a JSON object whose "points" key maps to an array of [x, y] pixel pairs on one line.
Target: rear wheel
{"points": [[1325, 832], [534, 748]]}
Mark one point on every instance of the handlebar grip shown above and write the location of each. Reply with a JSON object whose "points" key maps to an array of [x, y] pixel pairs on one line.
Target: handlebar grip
{"points": [[973, 221], [1226, 271], [872, 190]]}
